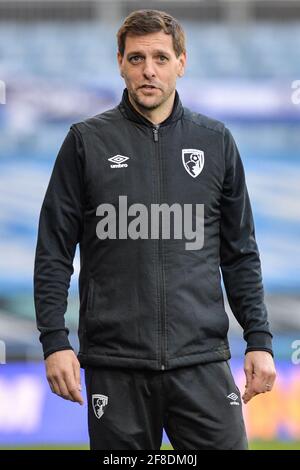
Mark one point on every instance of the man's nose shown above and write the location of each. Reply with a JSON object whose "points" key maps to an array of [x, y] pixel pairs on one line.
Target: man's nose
{"points": [[149, 70]]}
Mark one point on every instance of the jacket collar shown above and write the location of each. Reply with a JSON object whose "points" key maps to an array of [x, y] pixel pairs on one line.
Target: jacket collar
{"points": [[132, 114]]}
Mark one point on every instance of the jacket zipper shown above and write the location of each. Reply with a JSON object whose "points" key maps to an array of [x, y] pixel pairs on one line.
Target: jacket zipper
{"points": [[160, 259], [155, 133]]}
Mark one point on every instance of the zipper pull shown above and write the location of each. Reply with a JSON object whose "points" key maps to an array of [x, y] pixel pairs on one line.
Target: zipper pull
{"points": [[155, 133]]}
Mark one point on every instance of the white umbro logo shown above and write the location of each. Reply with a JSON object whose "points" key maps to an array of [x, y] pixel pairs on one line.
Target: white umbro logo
{"points": [[233, 397], [118, 161]]}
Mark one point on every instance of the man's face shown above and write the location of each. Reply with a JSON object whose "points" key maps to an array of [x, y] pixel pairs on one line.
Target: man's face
{"points": [[150, 68]]}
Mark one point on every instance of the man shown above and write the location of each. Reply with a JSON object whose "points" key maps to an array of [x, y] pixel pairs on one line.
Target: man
{"points": [[152, 327]]}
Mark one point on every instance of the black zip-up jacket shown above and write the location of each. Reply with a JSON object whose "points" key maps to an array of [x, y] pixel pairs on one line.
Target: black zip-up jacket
{"points": [[149, 302]]}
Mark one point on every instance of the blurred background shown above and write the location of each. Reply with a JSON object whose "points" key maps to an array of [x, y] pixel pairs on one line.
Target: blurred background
{"points": [[58, 66]]}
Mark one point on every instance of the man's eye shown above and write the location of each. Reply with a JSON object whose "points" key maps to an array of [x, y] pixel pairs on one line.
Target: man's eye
{"points": [[135, 58], [163, 58]]}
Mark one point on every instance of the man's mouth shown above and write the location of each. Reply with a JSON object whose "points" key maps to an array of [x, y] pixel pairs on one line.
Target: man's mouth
{"points": [[149, 87]]}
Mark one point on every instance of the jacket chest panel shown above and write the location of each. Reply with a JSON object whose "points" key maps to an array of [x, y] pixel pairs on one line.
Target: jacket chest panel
{"points": [[180, 168]]}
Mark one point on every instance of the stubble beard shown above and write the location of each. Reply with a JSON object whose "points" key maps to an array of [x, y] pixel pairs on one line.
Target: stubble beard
{"points": [[148, 107]]}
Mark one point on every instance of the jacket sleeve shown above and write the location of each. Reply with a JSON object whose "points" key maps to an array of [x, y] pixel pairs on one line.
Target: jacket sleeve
{"points": [[239, 255], [59, 231]]}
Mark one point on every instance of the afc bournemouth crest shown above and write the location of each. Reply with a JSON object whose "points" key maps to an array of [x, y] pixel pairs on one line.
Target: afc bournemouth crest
{"points": [[193, 161], [99, 403]]}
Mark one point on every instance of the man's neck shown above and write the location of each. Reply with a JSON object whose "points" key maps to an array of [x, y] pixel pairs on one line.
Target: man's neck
{"points": [[157, 115]]}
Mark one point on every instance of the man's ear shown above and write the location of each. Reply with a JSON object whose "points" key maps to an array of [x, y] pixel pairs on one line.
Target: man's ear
{"points": [[182, 62], [120, 58]]}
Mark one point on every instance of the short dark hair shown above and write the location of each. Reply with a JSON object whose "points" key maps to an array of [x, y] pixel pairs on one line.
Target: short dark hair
{"points": [[141, 22]]}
